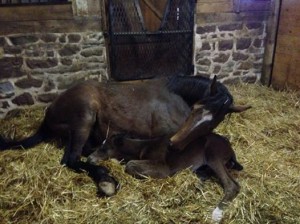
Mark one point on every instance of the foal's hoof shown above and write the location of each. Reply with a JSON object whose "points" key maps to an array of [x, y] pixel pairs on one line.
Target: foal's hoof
{"points": [[217, 215]]}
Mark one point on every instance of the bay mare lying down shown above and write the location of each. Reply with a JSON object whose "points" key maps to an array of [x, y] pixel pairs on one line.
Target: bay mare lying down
{"points": [[145, 108], [211, 152]]}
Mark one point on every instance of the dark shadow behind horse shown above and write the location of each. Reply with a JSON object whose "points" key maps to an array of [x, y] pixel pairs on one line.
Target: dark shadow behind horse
{"points": [[82, 115]]}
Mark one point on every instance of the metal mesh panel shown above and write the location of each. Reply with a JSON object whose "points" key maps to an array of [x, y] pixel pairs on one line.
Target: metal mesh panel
{"points": [[137, 53]]}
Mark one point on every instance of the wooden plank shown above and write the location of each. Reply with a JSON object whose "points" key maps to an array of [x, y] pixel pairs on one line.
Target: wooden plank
{"points": [[286, 72], [287, 44], [271, 30], [94, 8], [293, 78], [290, 7], [204, 18], [205, 7], [36, 12], [290, 24], [246, 5], [281, 68], [286, 15], [52, 26], [287, 28]]}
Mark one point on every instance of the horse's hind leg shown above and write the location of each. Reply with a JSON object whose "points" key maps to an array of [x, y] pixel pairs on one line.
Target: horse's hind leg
{"points": [[231, 188], [78, 136]]}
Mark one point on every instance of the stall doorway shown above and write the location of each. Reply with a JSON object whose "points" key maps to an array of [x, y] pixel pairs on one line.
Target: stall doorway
{"points": [[150, 38]]}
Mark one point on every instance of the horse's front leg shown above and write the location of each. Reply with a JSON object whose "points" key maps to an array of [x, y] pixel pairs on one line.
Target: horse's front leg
{"points": [[231, 188], [148, 168]]}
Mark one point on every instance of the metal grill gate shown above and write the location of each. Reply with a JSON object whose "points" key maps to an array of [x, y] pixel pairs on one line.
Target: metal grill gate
{"points": [[138, 53]]}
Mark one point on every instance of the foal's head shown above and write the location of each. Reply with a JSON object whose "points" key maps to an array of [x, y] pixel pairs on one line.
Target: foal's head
{"points": [[206, 114]]}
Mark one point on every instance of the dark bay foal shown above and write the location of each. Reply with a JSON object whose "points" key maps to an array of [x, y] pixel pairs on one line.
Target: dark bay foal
{"points": [[212, 152]]}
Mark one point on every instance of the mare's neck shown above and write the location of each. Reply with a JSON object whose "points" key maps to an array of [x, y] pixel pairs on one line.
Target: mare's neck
{"points": [[190, 88]]}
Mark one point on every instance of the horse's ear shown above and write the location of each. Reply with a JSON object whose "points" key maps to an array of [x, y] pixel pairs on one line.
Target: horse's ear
{"points": [[213, 86], [237, 109]]}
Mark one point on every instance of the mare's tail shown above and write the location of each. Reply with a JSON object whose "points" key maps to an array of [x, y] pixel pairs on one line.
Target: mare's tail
{"points": [[38, 137]]}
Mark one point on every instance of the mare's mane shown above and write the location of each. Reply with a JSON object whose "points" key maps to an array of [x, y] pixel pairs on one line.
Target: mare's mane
{"points": [[197, 89]]}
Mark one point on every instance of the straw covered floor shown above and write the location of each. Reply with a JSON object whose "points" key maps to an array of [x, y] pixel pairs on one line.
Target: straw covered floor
{"points": [[35, 188]]}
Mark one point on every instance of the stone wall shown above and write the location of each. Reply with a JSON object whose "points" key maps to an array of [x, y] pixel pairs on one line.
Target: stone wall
{"points": [[233, 51], [34, 68]]}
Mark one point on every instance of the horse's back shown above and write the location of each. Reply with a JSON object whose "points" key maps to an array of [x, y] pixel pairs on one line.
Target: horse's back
{"points": [[145, 107]]}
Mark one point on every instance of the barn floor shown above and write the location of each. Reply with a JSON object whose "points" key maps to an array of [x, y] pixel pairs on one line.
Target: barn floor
{"points": [[34, 188]]}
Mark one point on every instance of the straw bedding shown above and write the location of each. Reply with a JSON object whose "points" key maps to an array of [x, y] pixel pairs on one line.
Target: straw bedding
{"points": [[34, 188]]}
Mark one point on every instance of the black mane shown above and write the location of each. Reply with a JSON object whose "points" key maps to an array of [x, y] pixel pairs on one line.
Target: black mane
{"points": [[197, 89]]}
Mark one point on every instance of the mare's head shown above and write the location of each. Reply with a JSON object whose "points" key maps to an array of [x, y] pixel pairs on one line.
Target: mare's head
{"points": [[214, 102]]}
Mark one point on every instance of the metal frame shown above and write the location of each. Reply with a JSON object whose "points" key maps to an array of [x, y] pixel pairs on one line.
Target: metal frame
{"points": [[137, 53]]}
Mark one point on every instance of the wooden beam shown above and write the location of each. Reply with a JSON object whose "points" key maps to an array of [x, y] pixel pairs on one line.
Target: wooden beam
{"points": [[51, 26], [288, 44], [286, 72], [36, 12], [246, 6], [204, 18], [214, 6]]}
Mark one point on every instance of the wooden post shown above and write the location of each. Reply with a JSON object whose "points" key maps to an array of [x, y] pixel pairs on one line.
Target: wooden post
{"points": [[236, 6], [105, 29], [272, 28], [80, 8]]}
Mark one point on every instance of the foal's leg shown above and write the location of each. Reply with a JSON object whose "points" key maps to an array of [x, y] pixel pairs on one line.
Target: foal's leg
{"points": [[149, 168], [231, 188]]}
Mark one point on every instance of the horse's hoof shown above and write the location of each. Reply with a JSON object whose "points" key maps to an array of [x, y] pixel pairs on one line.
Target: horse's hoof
{"points": [[217, 215], [107, 187], [63, 162], [92, 160]]}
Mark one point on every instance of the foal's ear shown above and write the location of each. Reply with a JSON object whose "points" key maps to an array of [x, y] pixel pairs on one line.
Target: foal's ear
{"points": [[213, 86], [237, 109]]}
